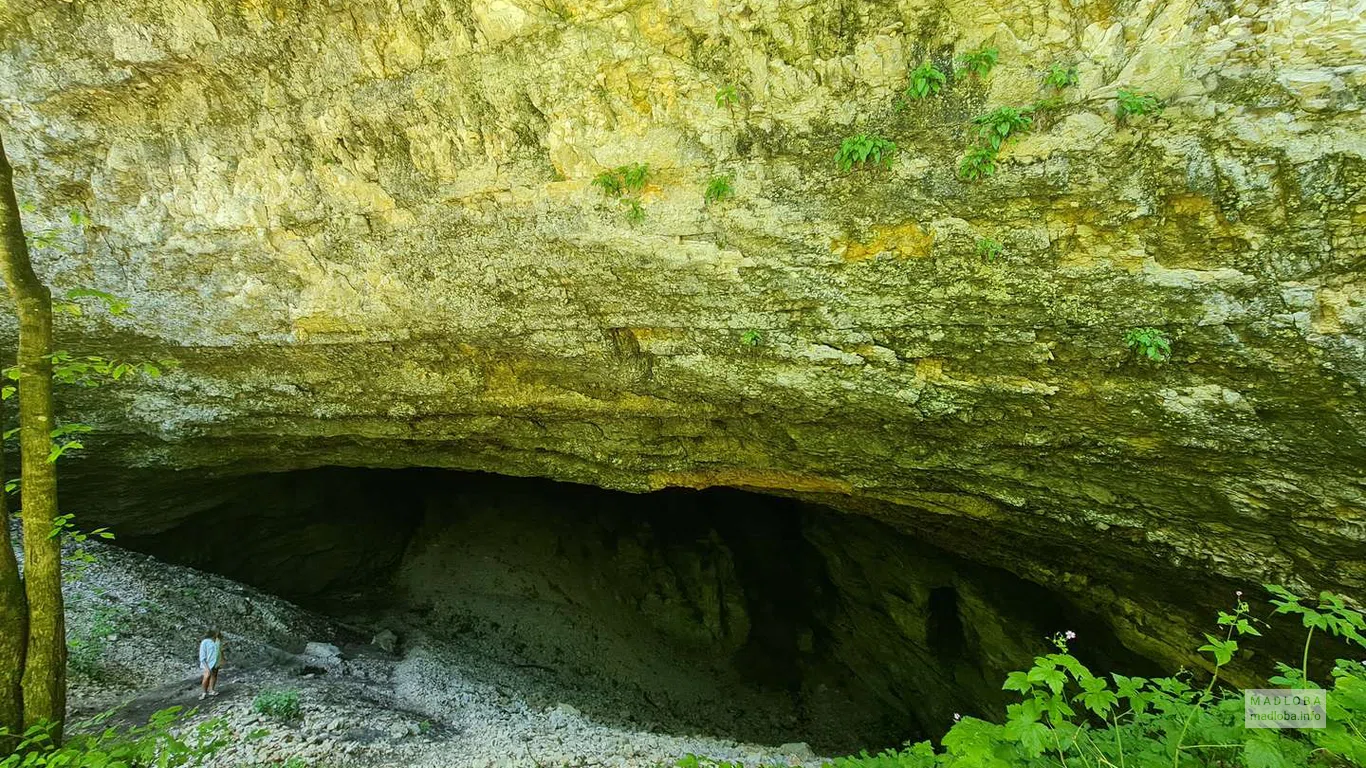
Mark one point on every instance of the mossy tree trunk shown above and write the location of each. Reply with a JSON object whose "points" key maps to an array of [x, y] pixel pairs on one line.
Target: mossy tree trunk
{"points": [[44, 675], [13, 624]]}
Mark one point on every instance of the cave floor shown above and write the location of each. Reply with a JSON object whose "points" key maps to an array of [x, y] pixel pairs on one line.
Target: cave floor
{"points": [[134, 623]]}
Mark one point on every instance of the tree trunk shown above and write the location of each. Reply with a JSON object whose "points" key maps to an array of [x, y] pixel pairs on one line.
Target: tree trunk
{"points": [[44, 679], [13, 624]]}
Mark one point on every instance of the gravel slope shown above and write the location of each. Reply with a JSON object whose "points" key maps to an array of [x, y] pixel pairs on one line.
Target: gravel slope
{"points": [[134, 624]]}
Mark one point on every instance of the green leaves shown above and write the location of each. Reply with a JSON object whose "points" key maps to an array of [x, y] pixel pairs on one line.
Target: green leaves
{"points": [[1060, 76], [990, 249], [993, 130], [996, 126], [719, 188], [94, 370], [1221, 650], [1134, 722], [1150, 343], [165, 742], [979, 62], [865, 149], [622, 179], [727, 96], [751, 338], [625, 183], [278, 704], [1332, 614], [977, 164], [1137, 103], [112, 303], [926, 81]]}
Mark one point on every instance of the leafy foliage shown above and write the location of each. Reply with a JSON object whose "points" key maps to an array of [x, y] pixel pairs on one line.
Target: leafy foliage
{"points": [[625, 183], [926, 80], [281, 705], [164, 742], [996, 126], [69, 305], [752, 338], [1060, 76], [865, 149], [622, 179], [727, 96], [978, 163], [719, 188], [1137, 103], [1068, 717], [990, 249], [979, 62], [1150, 343]]}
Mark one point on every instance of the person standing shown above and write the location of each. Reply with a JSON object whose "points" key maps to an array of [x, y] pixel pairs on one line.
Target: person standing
{"points": [[210, 659]]}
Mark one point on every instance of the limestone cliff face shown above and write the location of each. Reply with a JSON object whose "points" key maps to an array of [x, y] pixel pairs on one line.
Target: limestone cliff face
{"points": [[367, 230]]}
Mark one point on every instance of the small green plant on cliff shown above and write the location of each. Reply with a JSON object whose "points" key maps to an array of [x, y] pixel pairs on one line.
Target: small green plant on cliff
{"points": [[865, 149], [622, 179], [727, 96], [979, 163], [926, 80], [1000, 124], [280, 705], [1137, 104], [718, 189], [1149, 343], [752, 338], [979, 62], [1060, 76], [625, 183], [990, 249], [1069, 717]]}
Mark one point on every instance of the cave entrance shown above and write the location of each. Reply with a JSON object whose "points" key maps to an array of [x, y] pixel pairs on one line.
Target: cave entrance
{"points": [[737, 614]]}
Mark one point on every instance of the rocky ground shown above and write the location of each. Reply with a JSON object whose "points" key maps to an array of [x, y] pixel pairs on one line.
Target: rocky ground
{"points": [[400, 699]]}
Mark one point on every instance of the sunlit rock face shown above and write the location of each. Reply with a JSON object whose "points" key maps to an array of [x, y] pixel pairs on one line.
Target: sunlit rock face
{"points": [[367, 231]]}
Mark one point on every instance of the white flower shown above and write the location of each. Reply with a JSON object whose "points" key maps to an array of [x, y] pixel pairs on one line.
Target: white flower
{"points": [[1070, 635], [957, 717]]}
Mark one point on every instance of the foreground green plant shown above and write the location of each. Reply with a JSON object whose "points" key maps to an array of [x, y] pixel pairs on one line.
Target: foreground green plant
{"points": [[979, 62], [1068, 717], [727, 96], [865, 149], [1150, 343], [164, 742], [926, 80], [751, 338]]}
